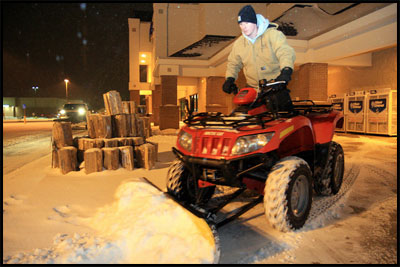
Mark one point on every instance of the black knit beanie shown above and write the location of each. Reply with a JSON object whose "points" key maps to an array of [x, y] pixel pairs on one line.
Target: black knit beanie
{"points": [[247, 14]]}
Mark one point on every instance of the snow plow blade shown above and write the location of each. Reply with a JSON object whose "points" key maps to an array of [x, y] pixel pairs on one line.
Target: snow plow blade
{"points": [[203, 222]]}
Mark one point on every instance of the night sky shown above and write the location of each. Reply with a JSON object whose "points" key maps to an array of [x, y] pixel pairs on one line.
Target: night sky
{"points": [[44, 43]]}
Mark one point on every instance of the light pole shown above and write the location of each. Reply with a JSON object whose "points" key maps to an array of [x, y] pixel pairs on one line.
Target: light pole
{"points": [[35, 88], [66, 88]]}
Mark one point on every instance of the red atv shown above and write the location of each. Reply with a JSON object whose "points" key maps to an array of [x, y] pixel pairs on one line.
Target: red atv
{"points": [[281, 149]]}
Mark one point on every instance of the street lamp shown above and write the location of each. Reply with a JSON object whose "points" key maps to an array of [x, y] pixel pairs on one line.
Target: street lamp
{"points": [[35, 88], [66, 88]]}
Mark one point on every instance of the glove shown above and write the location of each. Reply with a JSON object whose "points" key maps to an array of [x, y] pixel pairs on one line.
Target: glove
{"points": [[229, 86], [285, 75]]}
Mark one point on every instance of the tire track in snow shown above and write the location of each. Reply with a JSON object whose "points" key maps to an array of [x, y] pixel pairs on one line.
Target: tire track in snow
{"points": [[322, 203]]}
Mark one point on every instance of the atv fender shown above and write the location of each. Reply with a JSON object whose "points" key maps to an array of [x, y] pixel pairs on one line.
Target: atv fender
{"points": [[324, 125]]}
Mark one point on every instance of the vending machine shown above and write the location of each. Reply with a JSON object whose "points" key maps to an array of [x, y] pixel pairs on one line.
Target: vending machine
{"points": [[381, 112], [355, 112]]}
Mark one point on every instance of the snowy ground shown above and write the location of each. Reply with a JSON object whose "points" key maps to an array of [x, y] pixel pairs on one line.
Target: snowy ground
{"points": [[95, 218]]}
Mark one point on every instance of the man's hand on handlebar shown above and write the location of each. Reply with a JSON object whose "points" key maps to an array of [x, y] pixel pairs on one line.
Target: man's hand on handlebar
{"points": [[230, 86], [285, 75]]}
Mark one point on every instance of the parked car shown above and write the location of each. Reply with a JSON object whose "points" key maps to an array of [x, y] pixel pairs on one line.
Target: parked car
{"points": [[74, 112]]}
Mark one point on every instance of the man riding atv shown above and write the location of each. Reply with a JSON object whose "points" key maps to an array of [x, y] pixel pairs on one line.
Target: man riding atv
{"points": [[262, 51], [276, 147]]}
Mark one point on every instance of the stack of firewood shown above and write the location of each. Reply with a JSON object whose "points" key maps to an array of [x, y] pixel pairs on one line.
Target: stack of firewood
{"points": [[116, 138]]}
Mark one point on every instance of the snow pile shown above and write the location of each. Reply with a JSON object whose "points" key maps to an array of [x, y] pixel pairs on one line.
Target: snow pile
{"points": [[143, 225]]}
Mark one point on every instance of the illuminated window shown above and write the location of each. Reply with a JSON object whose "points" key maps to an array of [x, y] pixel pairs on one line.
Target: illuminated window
{"points": [[143, 73]]}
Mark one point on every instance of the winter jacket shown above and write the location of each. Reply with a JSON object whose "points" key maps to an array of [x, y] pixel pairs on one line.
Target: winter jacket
{"points": [[262, 58]]}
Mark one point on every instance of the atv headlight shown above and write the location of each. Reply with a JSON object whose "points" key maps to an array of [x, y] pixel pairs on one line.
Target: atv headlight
{"points": [[62, 112], [81, 111], [250, 143], [185, 140]]}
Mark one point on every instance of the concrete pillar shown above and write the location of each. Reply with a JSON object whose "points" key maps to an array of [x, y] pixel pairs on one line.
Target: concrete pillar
{"points": [[310, 81], [169, 110]]}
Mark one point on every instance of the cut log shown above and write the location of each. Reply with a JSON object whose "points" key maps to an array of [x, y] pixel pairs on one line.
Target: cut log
{"points": [[111, 158], [90, 125], [121, 125], [113, 102], [93, 160], [132, 106], [62, 134], [87, 143], [136, 141], [103, 126], [146, 127], [124, 141], [126, 157], [146, 155], [110, 142], [100, 126], [126, 107], [133, 125], [67, 159], [155, 148], [140, 127]]}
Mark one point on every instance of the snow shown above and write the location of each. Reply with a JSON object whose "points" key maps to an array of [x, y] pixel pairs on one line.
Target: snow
{"points": [[142, 225], [117, 217]]}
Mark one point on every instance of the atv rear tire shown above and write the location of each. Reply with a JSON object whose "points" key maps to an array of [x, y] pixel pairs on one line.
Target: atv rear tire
{"points": [[180, 185], [331, 183], [288, 194]]}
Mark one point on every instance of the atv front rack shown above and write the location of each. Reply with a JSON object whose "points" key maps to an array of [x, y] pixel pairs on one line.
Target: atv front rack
{"points": [[217, 119]]}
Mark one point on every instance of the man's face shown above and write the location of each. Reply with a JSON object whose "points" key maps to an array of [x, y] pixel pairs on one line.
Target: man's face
{"points": [[248, 28]]}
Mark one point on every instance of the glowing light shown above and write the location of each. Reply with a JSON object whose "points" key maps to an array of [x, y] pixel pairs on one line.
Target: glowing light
{"points": [[143, 55], [81, 111], [145, 92], [143, 61]]}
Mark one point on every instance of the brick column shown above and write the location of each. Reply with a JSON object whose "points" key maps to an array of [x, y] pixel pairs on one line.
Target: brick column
{"points": [[310, 81], [216, 99], [156, 104], [134, 95], [169, 110]]}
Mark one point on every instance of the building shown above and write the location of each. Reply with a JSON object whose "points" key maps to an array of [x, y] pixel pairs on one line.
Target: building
{"points": [[182, 53]]}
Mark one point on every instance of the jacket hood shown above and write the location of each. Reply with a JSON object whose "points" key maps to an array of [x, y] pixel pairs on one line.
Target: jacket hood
{"points": [[262, 24]]}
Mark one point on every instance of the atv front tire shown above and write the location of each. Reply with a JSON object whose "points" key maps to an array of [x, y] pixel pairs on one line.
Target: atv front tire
{"points": [[180, 184], [331, 183], [288, 194]]}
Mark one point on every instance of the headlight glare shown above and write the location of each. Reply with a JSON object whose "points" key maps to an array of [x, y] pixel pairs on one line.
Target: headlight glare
{"points": [[250, 143], [185, 140], [81, 111], [62, 112]]}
